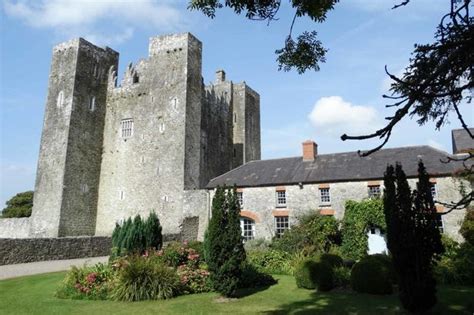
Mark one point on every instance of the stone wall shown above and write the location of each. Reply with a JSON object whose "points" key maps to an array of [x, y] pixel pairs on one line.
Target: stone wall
{"points": [[14, 227], [16, 251], [259, 203]]}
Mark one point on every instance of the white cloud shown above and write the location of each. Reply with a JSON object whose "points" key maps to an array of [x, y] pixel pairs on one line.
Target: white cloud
{"points": [[334, 116], [110, 21]]}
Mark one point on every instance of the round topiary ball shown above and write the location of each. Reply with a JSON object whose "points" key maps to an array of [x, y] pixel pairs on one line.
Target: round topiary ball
{"points": [[372, 275], [332, 259], [322, 275], [303, 274]]}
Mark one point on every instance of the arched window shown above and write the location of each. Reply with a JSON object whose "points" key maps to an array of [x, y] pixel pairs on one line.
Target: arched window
{"points": [[60, 99], [248, 228], [92, 103]]}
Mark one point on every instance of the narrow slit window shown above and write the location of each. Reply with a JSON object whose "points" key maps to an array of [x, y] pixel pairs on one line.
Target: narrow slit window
{"points": [[162, 127], [92, 103], [127, 128], [60, 99]]}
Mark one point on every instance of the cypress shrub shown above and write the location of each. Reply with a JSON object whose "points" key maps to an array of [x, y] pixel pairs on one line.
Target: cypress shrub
{"points": [[223, 247], [136, 236]]}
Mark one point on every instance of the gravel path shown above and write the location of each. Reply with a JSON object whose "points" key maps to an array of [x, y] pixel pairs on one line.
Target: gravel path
{"points": [[18, 270]]}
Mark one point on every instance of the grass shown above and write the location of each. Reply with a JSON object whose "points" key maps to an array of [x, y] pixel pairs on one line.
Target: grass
{"points": [[35, 295]]}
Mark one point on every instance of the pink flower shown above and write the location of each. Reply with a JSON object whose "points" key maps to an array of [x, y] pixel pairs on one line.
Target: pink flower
{"points": [[91, 277]]}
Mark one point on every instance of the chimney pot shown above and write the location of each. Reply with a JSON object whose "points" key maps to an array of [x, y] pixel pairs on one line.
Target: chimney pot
{"points": [[310, 150]]}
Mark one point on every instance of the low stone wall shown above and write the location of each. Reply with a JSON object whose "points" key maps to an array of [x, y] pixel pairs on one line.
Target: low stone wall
{"points": [[16, 251], [14, 227]]}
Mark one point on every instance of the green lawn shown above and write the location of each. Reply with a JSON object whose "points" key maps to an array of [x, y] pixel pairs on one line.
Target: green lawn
{"points": [[35, 295]]}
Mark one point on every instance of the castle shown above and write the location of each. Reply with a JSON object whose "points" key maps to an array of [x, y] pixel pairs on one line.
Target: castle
{"points": [[162, 141], [152, 143]]}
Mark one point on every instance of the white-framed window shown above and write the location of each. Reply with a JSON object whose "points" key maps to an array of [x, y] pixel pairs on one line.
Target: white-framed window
{"points": [[281, 199], [324, 195], [121, 195], [240, 199], [433, 190], [374, 191], [248, 229], [439, 223], [127, 127], [175, 103], [92, 103], [161, 127], [60, 99], [281, 225]]}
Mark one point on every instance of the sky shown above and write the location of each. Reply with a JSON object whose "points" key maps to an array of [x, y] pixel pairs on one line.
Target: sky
{"points": [[345, 96]]}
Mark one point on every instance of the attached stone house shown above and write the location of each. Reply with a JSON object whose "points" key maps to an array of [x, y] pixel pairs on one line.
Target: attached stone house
{"points": [[275, 193]]}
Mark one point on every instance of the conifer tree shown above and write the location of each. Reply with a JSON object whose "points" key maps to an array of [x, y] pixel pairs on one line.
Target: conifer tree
{"points": [[413, 238], [224, 251], [152, 230]]}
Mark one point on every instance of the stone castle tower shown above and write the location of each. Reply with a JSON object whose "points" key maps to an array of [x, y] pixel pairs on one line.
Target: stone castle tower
{"points": [[152, 143]]}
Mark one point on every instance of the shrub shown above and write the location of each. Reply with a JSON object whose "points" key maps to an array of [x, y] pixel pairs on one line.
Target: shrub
{"points": [[371, 275], [455, 265], [140, 279], [342, 277], [332, 259], [136, 236], [224, 251], [315, 232], [467, 227], [259, 244], [253, 278], [303, 274], [311, 274], [270, 261], [194, 280], [19, 205], [92, 283]]}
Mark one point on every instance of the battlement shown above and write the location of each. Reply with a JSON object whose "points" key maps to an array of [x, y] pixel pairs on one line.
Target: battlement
{"points": [[172, 43], [80, 42]]}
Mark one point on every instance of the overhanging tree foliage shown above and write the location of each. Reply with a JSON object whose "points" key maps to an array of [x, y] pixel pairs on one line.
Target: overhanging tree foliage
{"points": [[223, 248], [413, 238], [304, 53]]}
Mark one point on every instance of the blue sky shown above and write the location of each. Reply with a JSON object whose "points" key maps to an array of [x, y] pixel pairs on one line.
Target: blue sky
{"points": [[345, 96]]}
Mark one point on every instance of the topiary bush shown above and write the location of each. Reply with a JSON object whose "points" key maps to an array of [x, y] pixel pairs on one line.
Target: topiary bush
{"points": [[303, 274], [342, 277], [141, 279], [322, 275], [371, 275]]}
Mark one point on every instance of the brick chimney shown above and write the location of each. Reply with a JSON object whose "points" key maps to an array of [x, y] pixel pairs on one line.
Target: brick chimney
{"points": [[310, 150]]}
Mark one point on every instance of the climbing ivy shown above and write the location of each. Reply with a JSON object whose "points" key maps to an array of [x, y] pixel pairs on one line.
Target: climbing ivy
{"points": [[358, 217]]}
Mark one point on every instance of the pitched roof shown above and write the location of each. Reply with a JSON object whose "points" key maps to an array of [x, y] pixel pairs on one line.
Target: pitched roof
{"points": [[462, 141], [335, 167]]}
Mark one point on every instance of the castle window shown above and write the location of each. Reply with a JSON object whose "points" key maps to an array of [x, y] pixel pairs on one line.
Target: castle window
{"points": [[60, 99], [92, 103], [122, 195], [281, 225], [127, 128], [325, 196], [135, 78], [281, 199], [248, 229], [94, 73], [84, 188], [235, 118], [162, 127], [374, 191], [174, 103], [166, 198]]}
